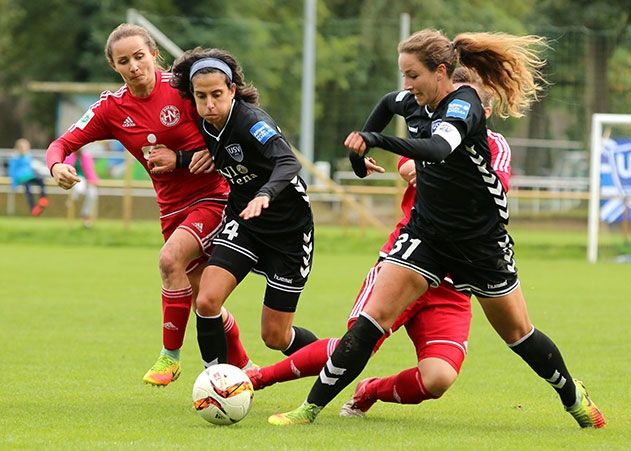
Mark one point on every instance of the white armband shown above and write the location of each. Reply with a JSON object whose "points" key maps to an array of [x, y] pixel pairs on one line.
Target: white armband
{"points": [[449, 133]]}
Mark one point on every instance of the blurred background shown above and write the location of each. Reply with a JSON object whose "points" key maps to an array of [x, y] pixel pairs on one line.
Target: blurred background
{"points": [[52, 67]]}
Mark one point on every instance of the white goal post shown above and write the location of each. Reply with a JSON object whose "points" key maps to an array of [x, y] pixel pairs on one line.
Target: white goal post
{"points": [[597, 144]]}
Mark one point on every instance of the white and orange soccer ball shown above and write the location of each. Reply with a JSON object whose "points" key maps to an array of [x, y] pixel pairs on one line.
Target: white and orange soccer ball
{"points": [[222, 394]]}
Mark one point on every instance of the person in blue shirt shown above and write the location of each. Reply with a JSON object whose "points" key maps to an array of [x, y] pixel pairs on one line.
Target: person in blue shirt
{"points": [[22, 172]]}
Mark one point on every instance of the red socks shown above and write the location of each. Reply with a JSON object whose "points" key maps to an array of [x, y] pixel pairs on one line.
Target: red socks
{"points": [[237, 354], [307, 361], [176, 308], [403, 388]]}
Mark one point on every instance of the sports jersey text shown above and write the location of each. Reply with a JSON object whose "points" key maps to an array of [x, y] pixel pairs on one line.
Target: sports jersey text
{"points": [[237, 175]]}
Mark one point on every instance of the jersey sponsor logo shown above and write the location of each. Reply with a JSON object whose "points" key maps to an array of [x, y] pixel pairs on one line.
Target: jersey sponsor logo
{"points": [[235, 151], [170, 115], [85, 119], [262, 131], [458, 108], [238, 175], [129, 122]]}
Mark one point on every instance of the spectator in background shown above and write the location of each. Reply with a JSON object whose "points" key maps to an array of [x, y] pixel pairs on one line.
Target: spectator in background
{"points": [[22, 172], [87, 187]]}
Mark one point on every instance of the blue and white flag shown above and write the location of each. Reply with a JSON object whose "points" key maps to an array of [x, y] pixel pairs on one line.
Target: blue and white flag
{"points": [[615, 179]]}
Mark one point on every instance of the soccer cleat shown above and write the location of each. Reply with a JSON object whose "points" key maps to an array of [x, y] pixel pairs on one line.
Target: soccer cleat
{"points": [[43, 202], [36, 211], [584, 410], [254, 373], [305, 414], [359, 404], [163, 372]]}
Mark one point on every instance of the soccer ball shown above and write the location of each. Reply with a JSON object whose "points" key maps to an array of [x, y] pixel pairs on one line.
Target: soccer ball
{"points": [[222, 394]]}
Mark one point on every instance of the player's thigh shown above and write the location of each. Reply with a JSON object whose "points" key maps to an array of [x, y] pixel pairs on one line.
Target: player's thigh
{"points": [[395, 288], [441, 328], [508, 315]]}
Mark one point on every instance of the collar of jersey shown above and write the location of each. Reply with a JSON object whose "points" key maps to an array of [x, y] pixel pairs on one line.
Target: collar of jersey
{"points": [[218, 136]]}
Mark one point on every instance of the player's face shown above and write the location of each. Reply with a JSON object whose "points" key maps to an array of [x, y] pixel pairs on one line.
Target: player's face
{"points": [[133, 60], [419, 80], [213, 97]]}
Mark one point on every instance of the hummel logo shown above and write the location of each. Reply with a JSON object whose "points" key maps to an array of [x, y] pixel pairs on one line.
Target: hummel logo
{"points": [[128, 122], [170, 326], [199, 226]]}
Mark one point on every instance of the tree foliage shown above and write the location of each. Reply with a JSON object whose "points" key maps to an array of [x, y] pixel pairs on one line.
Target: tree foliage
{"points": [[62, 40]]}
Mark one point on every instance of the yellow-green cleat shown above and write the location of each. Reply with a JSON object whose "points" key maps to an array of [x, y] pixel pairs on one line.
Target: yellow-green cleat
{"points": [[584, 410], [305, 414], [163, 372]]}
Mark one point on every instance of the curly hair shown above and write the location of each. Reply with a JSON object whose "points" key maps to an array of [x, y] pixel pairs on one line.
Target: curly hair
{"points": [[182, 67], [509, 66]]}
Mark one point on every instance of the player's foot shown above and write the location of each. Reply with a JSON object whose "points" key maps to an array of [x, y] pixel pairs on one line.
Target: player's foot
{"points": [[359, 404], [254, 373], [43, 202], [163, 372], [584, 410], [36, 211], [305, 414]]}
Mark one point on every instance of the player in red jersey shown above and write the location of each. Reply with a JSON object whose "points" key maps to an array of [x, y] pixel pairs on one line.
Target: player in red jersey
{"points": [[437, 323], [158, 128]]}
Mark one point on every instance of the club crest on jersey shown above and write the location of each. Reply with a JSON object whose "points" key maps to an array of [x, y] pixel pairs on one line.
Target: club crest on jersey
{"points": [[262, 131], [170, 115], [235, 151], [458, 108]]}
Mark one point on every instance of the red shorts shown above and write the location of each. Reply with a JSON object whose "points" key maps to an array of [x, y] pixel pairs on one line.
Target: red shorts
{"points": [[202, 219], [438, 322]]}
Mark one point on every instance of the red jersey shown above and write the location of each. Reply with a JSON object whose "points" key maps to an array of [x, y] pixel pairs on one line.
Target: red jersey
{"points": [[161, 118], [500, 161]]}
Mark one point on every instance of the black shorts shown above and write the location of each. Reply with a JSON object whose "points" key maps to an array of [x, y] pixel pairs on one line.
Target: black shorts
{"points": [[484, 266], [284, 259]]}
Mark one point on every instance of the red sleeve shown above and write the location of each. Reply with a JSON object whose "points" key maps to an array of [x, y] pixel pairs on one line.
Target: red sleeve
{"points": [[402, 161], [91, 127], [501, 157]]}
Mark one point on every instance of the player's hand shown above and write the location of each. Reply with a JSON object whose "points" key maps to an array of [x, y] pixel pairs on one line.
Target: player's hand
{"points": [[355, 143], [65, 175], [371, 166], [407, 171], [255, 207], [202, 162], [161, 159]]}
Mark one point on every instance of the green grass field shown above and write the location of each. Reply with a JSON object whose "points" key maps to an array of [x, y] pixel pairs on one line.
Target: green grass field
{"points": [[81, 323]]}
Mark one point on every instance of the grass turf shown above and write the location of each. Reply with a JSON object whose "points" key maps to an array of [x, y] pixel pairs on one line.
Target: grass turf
{"points": [[81, 324]]}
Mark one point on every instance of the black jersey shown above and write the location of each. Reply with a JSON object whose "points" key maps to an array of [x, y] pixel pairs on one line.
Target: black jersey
{"points": [[399, 103], [253, 155], [458, 194]]}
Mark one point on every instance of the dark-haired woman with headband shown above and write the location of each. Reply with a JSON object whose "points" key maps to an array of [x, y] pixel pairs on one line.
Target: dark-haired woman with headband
{"points": [[269, 226]]}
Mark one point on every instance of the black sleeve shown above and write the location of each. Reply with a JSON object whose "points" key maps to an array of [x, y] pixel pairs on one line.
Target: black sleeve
{"points": [[286, 167], [183, 158], [382, 113], [379, 118], [434, 149]]}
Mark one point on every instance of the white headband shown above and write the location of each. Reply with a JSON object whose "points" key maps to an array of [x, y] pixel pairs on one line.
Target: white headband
{"points": [[210, 63]]}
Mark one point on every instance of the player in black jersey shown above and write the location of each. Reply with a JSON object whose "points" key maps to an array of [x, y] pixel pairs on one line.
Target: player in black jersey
{"points": [[268, 228], [458, 222]]}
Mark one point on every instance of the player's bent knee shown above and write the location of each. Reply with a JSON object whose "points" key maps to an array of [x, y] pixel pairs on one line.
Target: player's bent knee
{"points": [[438, 382]]}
